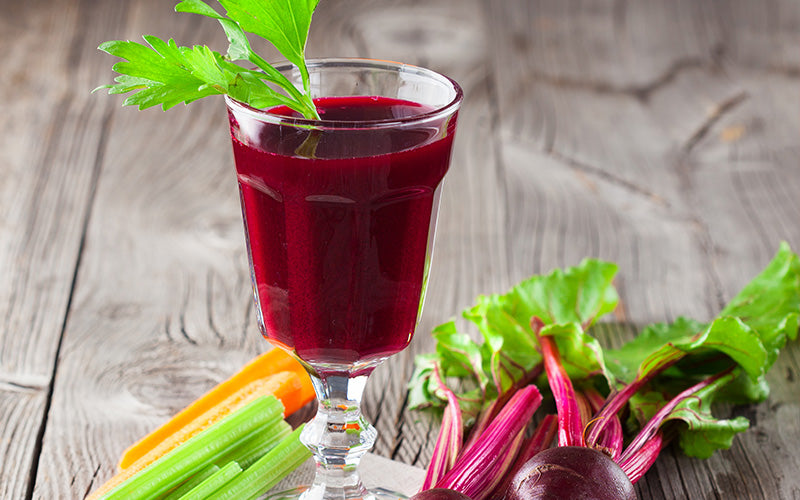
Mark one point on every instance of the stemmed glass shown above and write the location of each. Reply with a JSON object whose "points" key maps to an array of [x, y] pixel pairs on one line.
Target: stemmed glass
{"points": [[339, 218]]}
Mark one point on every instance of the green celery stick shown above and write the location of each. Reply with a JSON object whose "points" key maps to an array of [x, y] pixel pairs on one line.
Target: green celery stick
{"points": [[199, 451], [213, 483], [251, 450], [267, 471], [190, 483]]}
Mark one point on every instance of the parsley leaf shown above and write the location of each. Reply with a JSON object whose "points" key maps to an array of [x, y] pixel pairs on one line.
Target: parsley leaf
{"points": [[163, 73]]}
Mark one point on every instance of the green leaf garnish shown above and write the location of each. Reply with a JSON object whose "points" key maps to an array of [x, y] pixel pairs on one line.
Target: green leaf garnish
{"points": [[163, 73]]}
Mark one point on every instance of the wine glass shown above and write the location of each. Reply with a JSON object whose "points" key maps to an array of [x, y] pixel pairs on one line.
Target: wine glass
{"points": [[339, 219]]}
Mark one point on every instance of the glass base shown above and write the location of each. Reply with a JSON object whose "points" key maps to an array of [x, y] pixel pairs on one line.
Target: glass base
{"points": [[310, 493]]}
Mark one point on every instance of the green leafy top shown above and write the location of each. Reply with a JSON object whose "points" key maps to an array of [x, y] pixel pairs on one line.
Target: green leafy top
{"points": [[751, 330], [662, 360], [570, 299], [164, 73]]}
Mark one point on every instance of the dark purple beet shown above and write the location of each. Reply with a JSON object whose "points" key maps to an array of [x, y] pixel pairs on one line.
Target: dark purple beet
{"points": [[440, 494], [572, 472]]}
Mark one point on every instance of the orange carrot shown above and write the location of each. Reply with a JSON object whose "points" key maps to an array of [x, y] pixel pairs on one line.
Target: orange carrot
{"points": [[283, 385], [269, 363]]}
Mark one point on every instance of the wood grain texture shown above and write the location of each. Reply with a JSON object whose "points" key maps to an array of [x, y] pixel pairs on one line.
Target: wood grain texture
{"points": [[52, 132], [662, 135], [162, 308], [21, 411]]}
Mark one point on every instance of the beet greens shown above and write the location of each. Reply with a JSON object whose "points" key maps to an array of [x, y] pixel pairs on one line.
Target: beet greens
{"points": [[664, 381]]}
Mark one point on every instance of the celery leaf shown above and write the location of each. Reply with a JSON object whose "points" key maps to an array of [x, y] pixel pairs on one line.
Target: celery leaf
{"points": [[167, 74]]}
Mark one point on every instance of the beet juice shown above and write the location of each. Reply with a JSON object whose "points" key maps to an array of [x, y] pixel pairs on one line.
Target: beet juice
{"points": [[339, 224]]}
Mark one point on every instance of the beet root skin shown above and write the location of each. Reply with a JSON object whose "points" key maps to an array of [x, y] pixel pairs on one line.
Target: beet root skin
{"points": [[440, 494], [572, 472]]}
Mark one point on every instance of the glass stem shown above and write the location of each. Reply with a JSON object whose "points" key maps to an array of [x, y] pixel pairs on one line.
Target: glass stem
{"points": [[338, 436]]}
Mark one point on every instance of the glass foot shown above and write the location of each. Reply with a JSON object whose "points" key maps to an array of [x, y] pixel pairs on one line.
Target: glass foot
{"points": [[311, 493]]}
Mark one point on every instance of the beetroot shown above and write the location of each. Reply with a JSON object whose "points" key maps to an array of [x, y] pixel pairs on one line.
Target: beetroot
{"points": [[573, 472], [440, 494]]}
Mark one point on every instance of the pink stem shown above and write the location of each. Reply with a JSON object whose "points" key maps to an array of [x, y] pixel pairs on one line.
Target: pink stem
{"points": [[650, 429], [487, 415], [541, 439], [610, 440], [570, 427], [640, 462], [448, 444], [584, 408], [616, 400], [470, 470], [497, 472]]}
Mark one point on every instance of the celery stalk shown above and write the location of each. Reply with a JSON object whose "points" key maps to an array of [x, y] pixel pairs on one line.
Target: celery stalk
{"points": [[191, 483], [213, 483], [199, 451], [251, 450], [267, 471]]}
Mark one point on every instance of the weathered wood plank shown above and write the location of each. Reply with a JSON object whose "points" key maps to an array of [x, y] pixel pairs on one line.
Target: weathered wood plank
{"points": [[750, 170], [49, 168], [162, 305], [21, 411]]}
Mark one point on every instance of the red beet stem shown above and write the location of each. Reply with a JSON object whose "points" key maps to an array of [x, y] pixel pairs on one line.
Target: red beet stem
{"points": [[570, 426], [475, 462]]}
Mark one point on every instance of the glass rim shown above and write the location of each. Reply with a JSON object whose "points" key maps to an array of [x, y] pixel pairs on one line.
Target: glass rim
{"points": [[434, 114]]}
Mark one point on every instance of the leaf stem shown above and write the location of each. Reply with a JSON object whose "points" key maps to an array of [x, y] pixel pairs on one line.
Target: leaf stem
{"points": [[640, 462], [611, 439], [310, 110], [616, 400], [448, 445], [492, 446], [650, 429], [487, 415], [542, 438], [570, 425]]}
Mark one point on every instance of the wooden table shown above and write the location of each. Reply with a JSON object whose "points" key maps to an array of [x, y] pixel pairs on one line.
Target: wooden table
{"points": [[661, 135]]}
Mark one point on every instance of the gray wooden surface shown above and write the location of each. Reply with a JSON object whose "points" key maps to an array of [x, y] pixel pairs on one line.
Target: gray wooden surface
{"points": [[662, 135]]}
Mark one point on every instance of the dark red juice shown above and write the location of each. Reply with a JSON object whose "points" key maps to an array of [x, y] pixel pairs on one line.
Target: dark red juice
{"points": [[338, 223]]}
